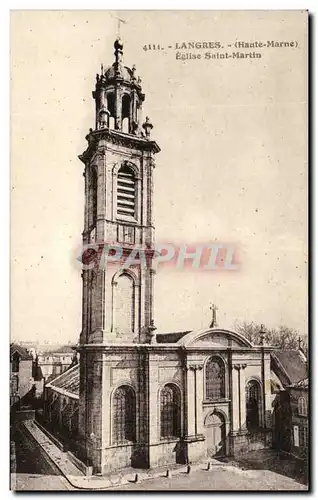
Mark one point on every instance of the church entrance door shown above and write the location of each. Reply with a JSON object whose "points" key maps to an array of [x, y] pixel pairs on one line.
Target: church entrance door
{"points": [[215, 435]]}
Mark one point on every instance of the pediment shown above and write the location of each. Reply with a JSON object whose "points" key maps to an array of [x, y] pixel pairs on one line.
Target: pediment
{"points": [[214, 338]]}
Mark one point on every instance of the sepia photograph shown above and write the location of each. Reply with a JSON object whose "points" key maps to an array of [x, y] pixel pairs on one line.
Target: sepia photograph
{"points": [[159, 250]]}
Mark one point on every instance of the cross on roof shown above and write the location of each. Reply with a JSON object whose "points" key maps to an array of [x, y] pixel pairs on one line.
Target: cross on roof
{"points": [[119, 20], [213, 323]]}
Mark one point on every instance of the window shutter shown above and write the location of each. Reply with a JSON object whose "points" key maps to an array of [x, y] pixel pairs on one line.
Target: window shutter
{"points": [[126, 193]]}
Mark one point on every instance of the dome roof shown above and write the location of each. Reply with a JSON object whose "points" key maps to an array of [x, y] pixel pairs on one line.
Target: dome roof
{"points": [[124, 72]]}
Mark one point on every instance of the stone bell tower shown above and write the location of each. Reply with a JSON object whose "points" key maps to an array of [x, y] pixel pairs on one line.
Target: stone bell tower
{"points": [[117, 303]]}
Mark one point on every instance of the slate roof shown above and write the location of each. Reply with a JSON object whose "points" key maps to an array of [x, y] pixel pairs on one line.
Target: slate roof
{"points": [[67, 382], [292, 363], [167, 338], [23, 353], [64, 349]]}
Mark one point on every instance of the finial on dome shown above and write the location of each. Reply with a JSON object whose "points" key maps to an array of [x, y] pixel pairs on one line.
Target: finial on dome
{"points": [[118, 46]]}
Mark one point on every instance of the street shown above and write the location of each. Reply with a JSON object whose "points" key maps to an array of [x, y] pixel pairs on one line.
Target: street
{"points": [[34, 469], [219, 479]]}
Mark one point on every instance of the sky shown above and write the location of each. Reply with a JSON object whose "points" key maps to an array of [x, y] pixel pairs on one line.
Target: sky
{"points": [[232, 166]]}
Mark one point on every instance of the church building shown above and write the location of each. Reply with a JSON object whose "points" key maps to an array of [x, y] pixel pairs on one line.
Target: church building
{"points": [[138, 397]]}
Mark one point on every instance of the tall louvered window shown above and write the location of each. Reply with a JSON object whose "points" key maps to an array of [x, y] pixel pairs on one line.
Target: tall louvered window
{"points": [[126, 192]]}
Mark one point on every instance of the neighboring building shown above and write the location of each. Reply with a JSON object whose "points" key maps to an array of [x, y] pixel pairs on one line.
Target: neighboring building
{"points": [[21, 376], [53, 363], [61, 403], [290, 366], [138, 398], [298, 394], [38, 378], [32, 346]]}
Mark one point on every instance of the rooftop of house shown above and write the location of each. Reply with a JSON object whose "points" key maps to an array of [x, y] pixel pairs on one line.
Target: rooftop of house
{"points": [[67, 382], [21, 351], [63, 349], [171, 337], [292, 363]]}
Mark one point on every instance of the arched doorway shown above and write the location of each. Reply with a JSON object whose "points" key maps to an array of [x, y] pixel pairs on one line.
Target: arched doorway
{"points": [[215, 435], [253, 405]]}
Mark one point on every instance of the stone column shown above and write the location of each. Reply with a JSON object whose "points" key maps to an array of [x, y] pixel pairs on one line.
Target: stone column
{"points": [[235, 400], [86, 177], [153, 430], [83, 335], [101, 197], [118, 107], [200, 391], [241, 404], [191, 407], [267, 385], [195, 439], [239, 433]]}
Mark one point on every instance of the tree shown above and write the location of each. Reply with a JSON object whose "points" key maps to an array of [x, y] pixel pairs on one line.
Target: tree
{"points": [[282, 337]]}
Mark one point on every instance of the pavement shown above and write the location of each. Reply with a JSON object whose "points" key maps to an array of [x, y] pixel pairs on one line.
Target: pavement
{"points": [[280, 462], [31, 467], [215, 476], [220, 479]]}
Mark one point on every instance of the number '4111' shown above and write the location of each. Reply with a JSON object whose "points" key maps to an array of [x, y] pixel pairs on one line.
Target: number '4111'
{"points": [[152, 46]]}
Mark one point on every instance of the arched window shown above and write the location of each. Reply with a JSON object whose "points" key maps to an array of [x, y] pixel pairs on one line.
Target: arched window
{"points": [[55, 409], [125, 113], [253, 404], [215, 379], [170, 414], [126, 192], [74, 420], [302, 407], [111, 109], [124, 415], [124, 311]]}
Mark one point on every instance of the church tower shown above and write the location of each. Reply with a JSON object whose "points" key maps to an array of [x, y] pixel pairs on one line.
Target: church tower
{"points": [[117, 303]]}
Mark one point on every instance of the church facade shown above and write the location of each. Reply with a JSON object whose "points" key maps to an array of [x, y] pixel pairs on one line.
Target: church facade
{"points": [[137, 397]]}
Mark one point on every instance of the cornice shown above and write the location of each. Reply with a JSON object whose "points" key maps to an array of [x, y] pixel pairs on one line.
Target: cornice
{"points": [[119, 139]]}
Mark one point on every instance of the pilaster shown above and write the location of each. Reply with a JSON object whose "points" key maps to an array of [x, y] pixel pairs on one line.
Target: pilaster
{"points": [[194, 440]]}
